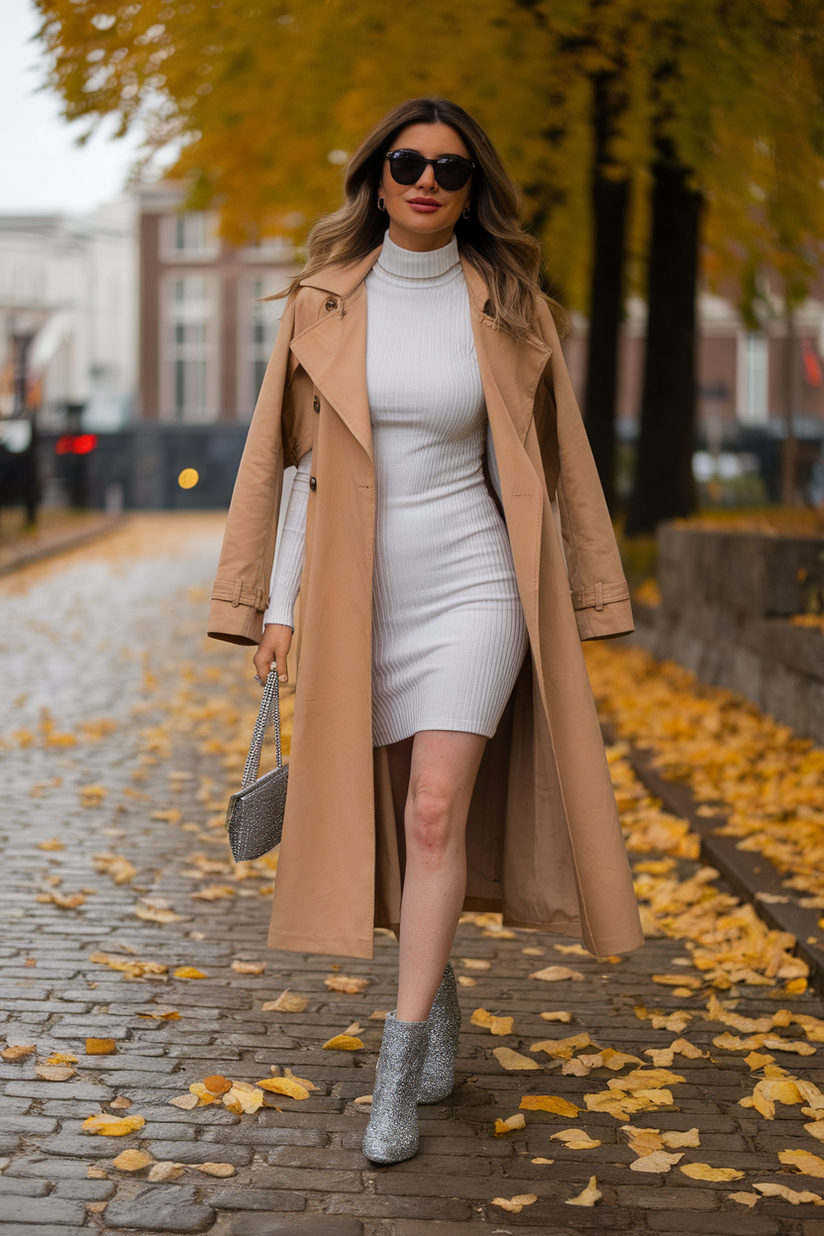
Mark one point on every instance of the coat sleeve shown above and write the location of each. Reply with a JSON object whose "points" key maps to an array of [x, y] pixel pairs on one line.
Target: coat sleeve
{"points": [[277, 438], [600, 594]]}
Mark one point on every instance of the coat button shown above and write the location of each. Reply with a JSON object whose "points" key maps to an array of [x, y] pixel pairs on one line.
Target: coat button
{"points": [[313, 484], [331, 304], [316, 404]]}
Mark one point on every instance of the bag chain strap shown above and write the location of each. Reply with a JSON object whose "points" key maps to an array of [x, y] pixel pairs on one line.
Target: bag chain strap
{"points": [[270, 704]]}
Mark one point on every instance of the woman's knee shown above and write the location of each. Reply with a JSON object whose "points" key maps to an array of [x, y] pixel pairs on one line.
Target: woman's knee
{"points": [[430, 819]]}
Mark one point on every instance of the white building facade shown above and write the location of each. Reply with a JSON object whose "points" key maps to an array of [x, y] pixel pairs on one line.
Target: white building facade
{"points": [[69, 315]]}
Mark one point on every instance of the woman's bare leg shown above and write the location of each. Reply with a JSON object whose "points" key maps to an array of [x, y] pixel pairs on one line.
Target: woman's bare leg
{"points": [[443, 769], [400, 766]]}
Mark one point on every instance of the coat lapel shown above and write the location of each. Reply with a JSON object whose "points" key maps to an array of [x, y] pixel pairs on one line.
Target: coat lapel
{"points": [[333, 349], [514, 366]]}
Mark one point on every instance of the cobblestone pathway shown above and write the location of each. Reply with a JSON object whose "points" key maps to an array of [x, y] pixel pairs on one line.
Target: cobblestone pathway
{"points": [[144, 731]]}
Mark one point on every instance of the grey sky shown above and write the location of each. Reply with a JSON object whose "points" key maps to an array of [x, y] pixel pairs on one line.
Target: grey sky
{"points": [[42, 168]]}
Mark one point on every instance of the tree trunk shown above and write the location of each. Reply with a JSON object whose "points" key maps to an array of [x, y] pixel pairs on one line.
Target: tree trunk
{"points": [[789, 451], [610, 196], [664, 486]]}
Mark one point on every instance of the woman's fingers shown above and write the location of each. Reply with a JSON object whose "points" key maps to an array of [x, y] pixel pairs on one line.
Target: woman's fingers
{"points": [[274, 646]]}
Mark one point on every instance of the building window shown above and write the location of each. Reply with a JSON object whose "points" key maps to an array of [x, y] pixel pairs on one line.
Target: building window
{"points": [[752, 376], [191, 235], [258, 327], [190, 353]]}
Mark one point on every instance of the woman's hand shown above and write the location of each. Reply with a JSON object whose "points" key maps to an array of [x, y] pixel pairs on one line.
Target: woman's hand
{"points": [[274, 646]]}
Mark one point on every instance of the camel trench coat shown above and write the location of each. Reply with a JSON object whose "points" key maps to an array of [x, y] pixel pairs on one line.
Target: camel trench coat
{"points": [[544, 844]]}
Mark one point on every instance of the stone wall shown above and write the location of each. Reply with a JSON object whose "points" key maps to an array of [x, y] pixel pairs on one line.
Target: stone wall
{"points": [[726, 601]]}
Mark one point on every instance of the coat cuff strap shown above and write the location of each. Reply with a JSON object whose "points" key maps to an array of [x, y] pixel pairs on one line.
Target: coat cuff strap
{"points": [[238, 593], [600, 595]]}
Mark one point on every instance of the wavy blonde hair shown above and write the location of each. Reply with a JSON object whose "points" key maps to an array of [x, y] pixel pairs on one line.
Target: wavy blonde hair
{"points": [[492, 238]]}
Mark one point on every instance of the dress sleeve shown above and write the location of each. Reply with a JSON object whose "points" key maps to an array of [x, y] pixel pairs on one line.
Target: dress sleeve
{"points": [[288, 565]]}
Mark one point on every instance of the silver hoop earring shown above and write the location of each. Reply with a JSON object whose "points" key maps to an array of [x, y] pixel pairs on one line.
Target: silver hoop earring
{"points": [[465, 211], [381, 204]]}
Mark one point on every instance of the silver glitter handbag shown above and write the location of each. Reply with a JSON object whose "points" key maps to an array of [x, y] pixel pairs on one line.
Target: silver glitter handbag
{"points": [[254, 817]]}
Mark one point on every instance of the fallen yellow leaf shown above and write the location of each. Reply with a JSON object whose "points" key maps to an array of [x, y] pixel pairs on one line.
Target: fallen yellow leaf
{"points": [[744, 1199], [302, 1081], [215, 1169], [495, 1025], [53, 843], [243, 1097], [589, 1197], [115, 865], [189, 972], [287, 1002], [561, 1016], [539, 1160], [62, 1057], [562, 1049], [645, 1079], [186, 1101], [132, 1160], [166, 1170], [113, 1126], [656, 1161], [513, 1060], [156, 914], [676, 1140], [214, 892], [816, 1129], [549, 1103], [808, 1164], [703, 1171], [204, 1096], [55, 1072], [346, 983], [678, 980], [248, 967], [217, 1084], [789, 1195], [343, 1042], [100, 1047], [18, 1052], [172, 1015], [476, 963], [502, 1127], [556, 974], [575, 1139], [515, 1204], [284, 1085]]}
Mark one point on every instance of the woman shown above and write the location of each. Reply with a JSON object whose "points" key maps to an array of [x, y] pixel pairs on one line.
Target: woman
{"points": [[445, 530]]}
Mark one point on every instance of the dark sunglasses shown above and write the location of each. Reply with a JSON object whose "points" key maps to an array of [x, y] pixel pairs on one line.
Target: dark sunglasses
{"points": [[451, 171]]}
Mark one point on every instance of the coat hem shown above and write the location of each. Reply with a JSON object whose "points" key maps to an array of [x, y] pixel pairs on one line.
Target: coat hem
{"points": [[288, 942]]}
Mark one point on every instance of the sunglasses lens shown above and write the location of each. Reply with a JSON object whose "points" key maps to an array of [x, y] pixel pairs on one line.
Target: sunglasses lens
{"points": [[405, 166], [452, 174]]}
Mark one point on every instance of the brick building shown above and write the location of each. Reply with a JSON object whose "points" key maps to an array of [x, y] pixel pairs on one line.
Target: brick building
{"points": [[205, 337]]}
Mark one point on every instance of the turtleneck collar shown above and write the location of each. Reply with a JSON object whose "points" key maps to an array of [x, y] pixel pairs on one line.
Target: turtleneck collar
{"points": [[409, 264]]}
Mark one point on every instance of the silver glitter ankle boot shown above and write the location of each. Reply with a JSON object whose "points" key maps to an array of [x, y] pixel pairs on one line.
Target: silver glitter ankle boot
{"points": [[438, 1077], [392, 1132]]}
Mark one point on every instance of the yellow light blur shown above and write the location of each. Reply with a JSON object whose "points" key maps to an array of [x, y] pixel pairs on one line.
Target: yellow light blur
{"points": [[188, 478]]}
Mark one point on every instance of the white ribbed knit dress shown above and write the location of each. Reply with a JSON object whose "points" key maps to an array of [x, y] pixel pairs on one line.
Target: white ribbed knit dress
{"points": [[448, 632]]}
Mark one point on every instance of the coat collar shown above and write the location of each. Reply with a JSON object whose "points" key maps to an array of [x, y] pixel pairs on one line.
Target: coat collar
{"points": [[333, 350]]}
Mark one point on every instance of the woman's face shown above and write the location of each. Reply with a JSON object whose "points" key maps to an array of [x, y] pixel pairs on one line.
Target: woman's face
{"points": [[422, 215]]}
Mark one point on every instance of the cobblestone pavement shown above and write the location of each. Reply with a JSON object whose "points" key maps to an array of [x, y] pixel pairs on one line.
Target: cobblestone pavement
{"points": [[143, 733]]}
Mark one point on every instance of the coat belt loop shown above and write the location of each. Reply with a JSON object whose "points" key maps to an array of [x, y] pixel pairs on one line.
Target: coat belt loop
{"points": [[237, 592], [599, 596], [259, 599]]}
